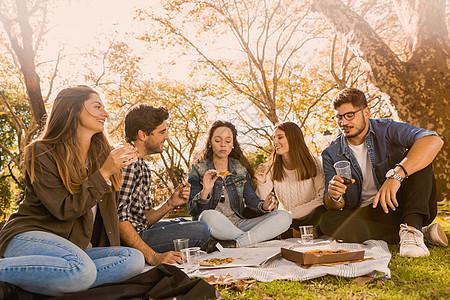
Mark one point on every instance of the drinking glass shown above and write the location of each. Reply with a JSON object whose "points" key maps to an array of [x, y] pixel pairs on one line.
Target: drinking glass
{"points": [[190, 258], [179, 244], [251, 238], [343, 170], [307, 234]]}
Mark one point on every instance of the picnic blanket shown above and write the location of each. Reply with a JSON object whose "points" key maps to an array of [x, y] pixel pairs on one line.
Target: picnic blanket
{"points": [[279, 268]]}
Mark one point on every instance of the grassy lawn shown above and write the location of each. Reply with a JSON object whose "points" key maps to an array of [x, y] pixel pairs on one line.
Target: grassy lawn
{"points": [[411, 278]]}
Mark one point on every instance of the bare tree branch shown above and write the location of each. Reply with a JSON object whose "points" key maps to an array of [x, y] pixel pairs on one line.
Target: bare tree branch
{"points": [[308, 111]]}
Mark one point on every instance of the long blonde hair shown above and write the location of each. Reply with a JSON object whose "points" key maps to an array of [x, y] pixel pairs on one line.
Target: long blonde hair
{"points": [[60, 139]]}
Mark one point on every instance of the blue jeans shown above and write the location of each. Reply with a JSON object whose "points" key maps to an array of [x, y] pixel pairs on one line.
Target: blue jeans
{"points": [[160, 237], [45, 263], [264, 227]]}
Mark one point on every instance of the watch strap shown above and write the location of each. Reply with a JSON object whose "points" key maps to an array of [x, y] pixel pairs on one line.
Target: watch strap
{"points": [[404, 170], [395, 176]]}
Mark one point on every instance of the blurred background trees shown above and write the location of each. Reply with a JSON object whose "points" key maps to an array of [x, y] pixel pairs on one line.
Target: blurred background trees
{"points": [[254, 63]]}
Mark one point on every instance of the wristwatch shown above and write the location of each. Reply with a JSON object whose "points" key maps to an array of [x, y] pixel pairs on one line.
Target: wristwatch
{"points": [[391, 174]]}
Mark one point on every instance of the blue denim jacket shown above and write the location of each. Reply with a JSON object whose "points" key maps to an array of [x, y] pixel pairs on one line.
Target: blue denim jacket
{"points": [[387, 142], [238, 185]]}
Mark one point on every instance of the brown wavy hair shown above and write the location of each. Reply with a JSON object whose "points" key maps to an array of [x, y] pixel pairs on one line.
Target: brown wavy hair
{"points": [[304, 163], [236, 152], [60, 139]]}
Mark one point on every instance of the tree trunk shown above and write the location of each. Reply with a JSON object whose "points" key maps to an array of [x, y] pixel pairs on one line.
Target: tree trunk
{"points": [[22, 45], [26, 57], [418, 88]]}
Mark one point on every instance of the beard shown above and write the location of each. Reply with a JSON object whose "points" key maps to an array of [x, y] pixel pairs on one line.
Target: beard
{"points": [[358, 131], [153, 148]]}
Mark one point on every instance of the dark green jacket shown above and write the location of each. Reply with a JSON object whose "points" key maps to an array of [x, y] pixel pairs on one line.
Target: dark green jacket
{"points": [[48, 206]]}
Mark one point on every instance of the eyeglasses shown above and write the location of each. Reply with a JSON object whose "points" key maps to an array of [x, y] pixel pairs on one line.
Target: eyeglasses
{"points": [[348, 116]]}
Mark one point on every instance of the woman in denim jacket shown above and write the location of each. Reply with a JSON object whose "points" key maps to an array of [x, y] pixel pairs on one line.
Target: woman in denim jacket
{"points": [[221, 188]]}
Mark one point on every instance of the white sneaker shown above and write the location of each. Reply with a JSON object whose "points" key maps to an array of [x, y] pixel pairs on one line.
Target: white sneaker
{"points": [[434, 234], [411, 242]]}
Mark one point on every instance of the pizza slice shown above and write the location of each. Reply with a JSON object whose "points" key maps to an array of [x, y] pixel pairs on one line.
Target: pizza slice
{"points": [[127, 144], [215, 261], [223, 174]]}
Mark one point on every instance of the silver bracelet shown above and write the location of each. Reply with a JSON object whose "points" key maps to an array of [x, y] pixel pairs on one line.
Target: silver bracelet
{"points": [[153, 259]]}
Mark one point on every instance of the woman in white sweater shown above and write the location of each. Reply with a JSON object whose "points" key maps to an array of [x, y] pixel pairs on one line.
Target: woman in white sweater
{"points": [[295, 176]]}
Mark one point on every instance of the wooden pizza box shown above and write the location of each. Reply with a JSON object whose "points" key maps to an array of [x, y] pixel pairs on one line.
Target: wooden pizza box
{"points": [[303, 258]]}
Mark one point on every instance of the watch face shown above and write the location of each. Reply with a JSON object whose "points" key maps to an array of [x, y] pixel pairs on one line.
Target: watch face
{"points": [[390, 173]]}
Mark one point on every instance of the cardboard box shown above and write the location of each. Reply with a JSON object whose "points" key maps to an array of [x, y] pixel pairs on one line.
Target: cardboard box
{"points": [[303, 258]]}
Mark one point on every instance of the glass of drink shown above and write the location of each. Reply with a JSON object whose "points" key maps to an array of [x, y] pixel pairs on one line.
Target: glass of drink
{"points": [[179, 244], [343, 170], [190, 258], [251, 238], [307, 234]]}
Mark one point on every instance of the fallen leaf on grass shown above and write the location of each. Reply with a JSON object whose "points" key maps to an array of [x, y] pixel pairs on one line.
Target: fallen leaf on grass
{"points": [[239, 284], [362, 280], [379, 282], [221, 280], [261, 294], [281, 297]]}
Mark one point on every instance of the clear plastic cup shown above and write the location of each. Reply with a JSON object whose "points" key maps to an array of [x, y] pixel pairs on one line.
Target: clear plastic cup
{"points": [[343, 170], [307, 234], [190, 256], [252, 240], [180, 244]]}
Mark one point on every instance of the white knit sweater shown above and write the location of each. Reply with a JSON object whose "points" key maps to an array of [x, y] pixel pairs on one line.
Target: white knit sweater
{"points": [[299, 198]]}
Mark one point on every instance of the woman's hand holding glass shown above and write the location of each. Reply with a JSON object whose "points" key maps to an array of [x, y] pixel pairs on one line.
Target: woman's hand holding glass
{"points": [[209, 179], [118, 159], [270, 203]]}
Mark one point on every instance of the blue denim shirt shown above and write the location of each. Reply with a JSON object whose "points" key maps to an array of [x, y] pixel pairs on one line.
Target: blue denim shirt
{"points": [[387, 142], [238, 185]]}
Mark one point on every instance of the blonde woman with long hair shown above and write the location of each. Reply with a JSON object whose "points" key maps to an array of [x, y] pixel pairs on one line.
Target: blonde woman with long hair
{"points": [[57, 241]]}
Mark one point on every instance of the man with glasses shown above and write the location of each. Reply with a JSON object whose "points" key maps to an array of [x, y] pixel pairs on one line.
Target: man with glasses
{"points": [[392, 196]]}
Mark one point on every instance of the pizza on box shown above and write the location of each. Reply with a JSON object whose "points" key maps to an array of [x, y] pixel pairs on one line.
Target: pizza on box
{"points": [[327, 251], [213, 262]]}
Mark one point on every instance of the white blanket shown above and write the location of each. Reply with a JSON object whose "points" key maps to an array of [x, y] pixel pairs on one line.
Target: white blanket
{"points": [[280, 268]]}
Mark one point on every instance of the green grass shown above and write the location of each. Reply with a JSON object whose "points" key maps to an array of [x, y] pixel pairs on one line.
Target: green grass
{"points": [[411, 278]]}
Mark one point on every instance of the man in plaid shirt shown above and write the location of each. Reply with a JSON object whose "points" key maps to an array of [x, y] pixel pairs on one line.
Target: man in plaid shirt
{"points": [[140, 224]]}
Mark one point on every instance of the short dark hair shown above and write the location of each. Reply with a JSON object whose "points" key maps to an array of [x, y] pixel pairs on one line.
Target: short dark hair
{"points": [[349, 95], [143, 117]]}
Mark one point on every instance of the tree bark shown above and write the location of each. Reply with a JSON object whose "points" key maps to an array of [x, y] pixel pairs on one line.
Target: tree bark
{"points": [[417, 88], [26, 56]]}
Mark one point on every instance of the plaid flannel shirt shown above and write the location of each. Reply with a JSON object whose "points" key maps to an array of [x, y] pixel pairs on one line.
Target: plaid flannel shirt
{"points": [[135, 198]]}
